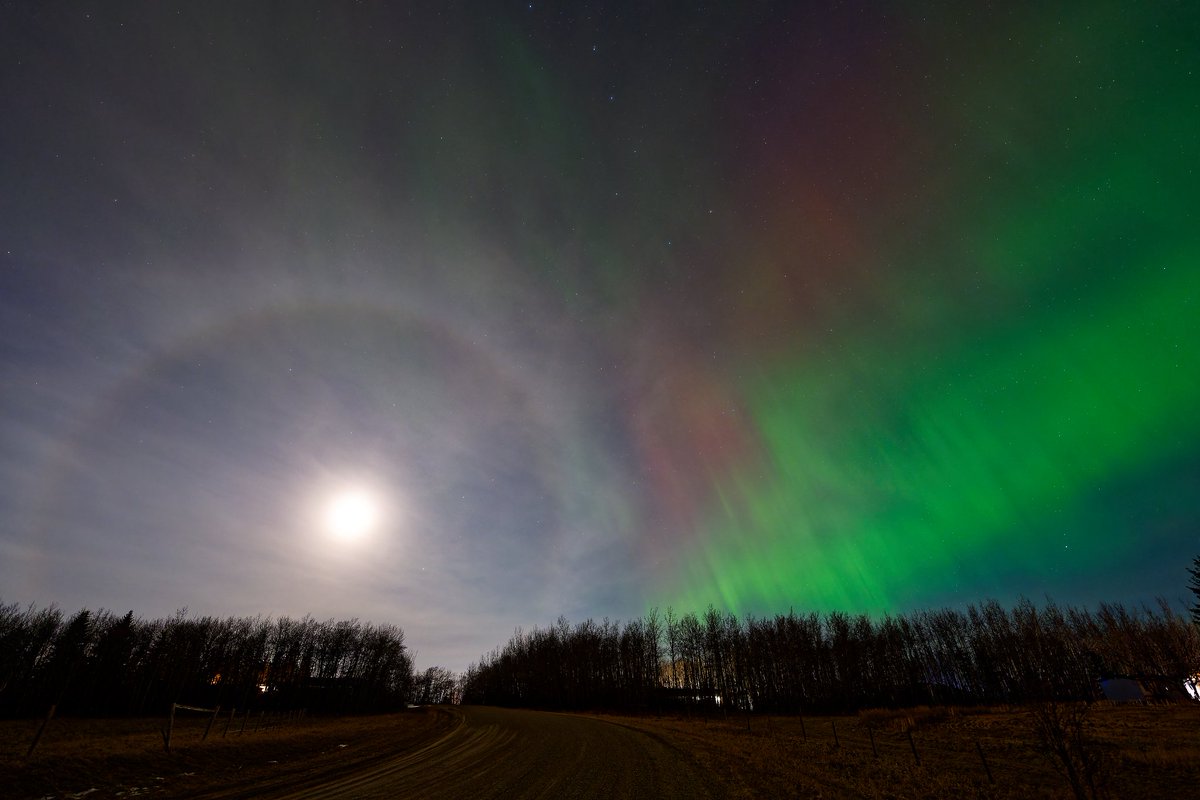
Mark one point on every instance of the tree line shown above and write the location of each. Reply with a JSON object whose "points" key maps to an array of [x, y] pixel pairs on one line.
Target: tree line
{"points": [[985, 654], [101, 663]]}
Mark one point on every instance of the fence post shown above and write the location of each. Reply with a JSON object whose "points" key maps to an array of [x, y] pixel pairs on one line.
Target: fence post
{"points": [[211, 720], [228, 722], [874, 749], [245, 719], [170, 725], [37, 737], [836, 743], [986, 768], [913, 745]]}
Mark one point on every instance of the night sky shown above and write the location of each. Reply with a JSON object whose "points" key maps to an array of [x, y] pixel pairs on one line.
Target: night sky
{"points": [[862, 306]]}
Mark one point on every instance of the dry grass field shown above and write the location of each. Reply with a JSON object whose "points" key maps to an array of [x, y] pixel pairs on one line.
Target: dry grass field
{"points": [[122, 758], [1143, 751]]}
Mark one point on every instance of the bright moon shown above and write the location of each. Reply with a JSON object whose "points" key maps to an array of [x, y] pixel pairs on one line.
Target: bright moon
{"points": [[351, 514]]}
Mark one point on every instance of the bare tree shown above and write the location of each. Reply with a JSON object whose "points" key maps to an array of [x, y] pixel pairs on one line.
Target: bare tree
{"points": [[1194, 588], [1063, 735]]}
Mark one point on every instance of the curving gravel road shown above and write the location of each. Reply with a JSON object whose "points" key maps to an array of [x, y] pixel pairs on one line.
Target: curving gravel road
{"points": [[504, 753]]}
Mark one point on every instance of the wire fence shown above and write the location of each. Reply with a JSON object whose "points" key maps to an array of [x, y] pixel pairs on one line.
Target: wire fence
{"points": [[196, 724], [250, 722]]}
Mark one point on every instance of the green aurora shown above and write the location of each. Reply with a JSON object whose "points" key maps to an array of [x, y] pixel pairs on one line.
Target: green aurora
{"points": [[1034, 359]]}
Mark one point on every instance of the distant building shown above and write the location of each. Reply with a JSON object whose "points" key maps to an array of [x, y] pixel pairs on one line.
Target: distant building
{"points": [[1148, 689], [1122, 690]]}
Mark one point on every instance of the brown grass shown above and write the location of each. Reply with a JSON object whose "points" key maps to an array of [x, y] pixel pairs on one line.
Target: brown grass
{"points": [[123, 758], [1152, 752]]}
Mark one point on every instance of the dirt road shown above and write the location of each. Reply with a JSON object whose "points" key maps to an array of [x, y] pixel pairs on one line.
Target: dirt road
{"points": [[501, 753]]}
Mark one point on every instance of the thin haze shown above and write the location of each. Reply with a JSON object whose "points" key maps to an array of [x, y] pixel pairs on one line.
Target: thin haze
{"points": [[862, 306]]}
